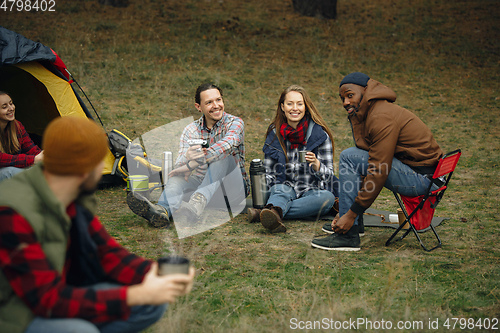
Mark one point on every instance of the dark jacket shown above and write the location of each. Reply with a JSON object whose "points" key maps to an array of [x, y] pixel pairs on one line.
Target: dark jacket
{"points": [[29, 195], [315, 137], [387, 130]]}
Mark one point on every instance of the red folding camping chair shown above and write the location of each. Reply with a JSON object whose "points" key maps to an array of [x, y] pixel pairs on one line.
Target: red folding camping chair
{"points": [[422, 208]]}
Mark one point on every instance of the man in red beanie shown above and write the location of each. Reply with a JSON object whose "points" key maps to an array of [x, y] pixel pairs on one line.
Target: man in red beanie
{"points": [[60, 270], [394, 148]]}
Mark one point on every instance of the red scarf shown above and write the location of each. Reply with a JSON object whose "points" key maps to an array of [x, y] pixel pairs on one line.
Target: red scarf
{"points": [[297, 135]]}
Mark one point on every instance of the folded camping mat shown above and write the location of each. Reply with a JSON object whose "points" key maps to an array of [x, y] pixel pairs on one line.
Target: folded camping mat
{"points": [[371, 218]]}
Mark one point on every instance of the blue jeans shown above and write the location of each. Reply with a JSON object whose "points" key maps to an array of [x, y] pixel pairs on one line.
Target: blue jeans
{"points": [[140, 318], [225, 171], [311, 203], [353, 165], [9, 172]]}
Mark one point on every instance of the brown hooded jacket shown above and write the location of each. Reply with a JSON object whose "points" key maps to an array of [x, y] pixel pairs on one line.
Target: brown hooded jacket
{"points": [[387, 130]]}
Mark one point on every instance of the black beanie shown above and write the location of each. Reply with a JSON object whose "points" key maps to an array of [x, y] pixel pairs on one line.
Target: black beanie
{"points": [[356, 78]]}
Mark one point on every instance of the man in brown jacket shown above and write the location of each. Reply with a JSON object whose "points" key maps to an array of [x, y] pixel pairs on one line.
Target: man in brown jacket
{"points": [[394, 148]]}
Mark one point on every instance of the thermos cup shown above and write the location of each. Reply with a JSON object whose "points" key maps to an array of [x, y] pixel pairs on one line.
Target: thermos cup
{"points": [[302, 156], [167, 164], [173, 265], [258, 181]]}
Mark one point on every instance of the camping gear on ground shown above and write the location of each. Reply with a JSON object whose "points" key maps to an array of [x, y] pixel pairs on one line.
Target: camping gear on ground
{"points": [[258, 183], [118, 143], [131, 159], [139, 184], [402, 219], [41, 87], [422, 208]]}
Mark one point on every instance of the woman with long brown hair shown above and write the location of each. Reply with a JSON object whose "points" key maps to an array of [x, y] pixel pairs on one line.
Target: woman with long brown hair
{"points": [[297, 189], [17, 150]]}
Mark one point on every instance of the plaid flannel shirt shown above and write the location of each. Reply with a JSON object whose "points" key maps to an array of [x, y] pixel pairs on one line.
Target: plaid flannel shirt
{"points": [[303, 181], [27, 152], [226, 138], [44, 289]]}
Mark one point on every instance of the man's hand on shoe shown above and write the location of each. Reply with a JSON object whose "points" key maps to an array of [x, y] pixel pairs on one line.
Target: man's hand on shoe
{"points": [[343, 224], [156, 290]]}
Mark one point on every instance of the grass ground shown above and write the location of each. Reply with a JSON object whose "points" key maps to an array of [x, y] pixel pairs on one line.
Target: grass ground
{"points": [[140, 66]]}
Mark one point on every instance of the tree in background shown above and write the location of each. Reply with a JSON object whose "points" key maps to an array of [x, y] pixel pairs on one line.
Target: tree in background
{"points": [[324, 8], [114, 3]]}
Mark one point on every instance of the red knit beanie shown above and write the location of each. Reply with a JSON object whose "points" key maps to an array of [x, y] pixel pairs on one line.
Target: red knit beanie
{"points": [[73, 145]]}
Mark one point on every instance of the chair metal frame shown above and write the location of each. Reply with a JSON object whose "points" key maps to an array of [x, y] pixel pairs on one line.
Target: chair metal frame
{"points": [[446, 166]]}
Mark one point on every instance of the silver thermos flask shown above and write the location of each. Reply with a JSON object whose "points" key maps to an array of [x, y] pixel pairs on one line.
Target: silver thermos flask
{"points": [[167, 164], [258, 181]]}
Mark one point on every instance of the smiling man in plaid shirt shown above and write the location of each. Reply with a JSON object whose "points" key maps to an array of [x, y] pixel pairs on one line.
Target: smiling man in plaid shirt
{"points": [[60, 271], [200, 171]]}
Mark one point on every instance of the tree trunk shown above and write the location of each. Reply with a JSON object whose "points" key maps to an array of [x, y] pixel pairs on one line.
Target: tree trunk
{"points": [[114, 3], [324, 8]]}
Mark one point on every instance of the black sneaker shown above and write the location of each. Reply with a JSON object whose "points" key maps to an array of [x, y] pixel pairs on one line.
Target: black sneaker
{"points": [[327, 227], [156, 215], [339, 242], [361, 226]]}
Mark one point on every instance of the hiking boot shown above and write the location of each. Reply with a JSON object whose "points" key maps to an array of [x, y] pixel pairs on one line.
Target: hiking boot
{"points": [[197, 204], [327, 227], [184, 217], [191, 211], [253, 214], [271, 217], [156, 215], [339, 242]]}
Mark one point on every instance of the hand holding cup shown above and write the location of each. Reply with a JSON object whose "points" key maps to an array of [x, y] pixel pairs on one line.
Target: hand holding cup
{"points": [[309, 157], [175, 279]]}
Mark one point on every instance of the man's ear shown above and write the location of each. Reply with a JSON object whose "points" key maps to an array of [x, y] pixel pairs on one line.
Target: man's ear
{"points": [[83, 177], [197, 106]]}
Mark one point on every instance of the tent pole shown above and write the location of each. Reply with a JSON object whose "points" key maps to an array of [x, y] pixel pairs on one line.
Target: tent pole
{"points": [[74, 80]]}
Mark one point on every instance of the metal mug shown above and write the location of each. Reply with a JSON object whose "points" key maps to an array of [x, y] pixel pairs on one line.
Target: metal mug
{"points": [[173, 265], [302, 156]]}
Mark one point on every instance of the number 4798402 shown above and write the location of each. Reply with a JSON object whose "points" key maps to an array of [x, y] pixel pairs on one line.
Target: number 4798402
{"points": [[28, 5], [470, 323]]}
